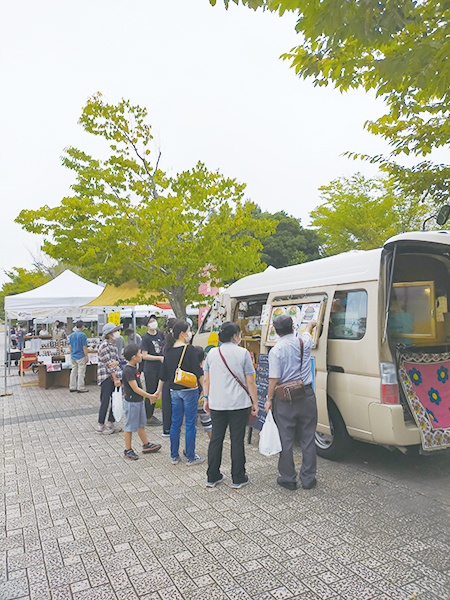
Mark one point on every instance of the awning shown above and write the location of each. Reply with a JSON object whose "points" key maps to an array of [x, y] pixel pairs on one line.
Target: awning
{"points": [[111, 295], [64, 295]]}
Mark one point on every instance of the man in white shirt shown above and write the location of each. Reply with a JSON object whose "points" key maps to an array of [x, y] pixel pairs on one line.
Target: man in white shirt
{"points": [[285, 364]]}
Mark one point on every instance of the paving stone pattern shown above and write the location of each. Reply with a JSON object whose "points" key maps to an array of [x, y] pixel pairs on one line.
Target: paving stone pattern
{"points": [[79, 522]]}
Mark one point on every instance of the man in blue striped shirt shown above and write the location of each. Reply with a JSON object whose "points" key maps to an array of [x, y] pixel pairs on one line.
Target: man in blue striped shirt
{"points": [[286, 364]]}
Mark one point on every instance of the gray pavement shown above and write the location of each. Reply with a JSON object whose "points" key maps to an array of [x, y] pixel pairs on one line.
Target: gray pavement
{"points": [[81, 522]]}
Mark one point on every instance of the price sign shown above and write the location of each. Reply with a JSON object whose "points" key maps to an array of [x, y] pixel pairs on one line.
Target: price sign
{"points": [[114, 317]]}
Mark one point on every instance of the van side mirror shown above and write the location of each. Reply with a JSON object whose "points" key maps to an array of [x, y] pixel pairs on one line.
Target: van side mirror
{"points": [[443, 215]]}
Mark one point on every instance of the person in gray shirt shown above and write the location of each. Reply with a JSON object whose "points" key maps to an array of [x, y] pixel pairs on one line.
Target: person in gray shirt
{"points": [[230, 396], [133, 338], [120, 345], [299, 416]]}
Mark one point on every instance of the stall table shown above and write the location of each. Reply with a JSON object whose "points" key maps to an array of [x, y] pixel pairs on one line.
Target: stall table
{"points": [[47, 379]]}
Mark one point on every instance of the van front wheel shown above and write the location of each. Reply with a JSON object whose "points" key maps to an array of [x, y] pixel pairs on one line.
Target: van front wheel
{"points": [[337, 444]]}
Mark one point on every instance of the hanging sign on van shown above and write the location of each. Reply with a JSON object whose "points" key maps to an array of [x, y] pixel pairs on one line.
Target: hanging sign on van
{"points": [[265, 314]]}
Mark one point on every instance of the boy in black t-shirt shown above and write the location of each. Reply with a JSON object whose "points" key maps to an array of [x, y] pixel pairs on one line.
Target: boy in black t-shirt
{"points": [[134, 404]]}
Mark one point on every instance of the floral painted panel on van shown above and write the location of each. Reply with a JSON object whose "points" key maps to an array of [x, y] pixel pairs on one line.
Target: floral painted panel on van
{"points": [[425, 381]]}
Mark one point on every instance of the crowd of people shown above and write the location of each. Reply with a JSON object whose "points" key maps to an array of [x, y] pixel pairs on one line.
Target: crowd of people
{"points": [[219, 389], [165, 365]]}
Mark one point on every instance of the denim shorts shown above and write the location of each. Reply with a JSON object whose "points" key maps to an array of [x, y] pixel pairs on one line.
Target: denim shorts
{"points": [[136, 417]]}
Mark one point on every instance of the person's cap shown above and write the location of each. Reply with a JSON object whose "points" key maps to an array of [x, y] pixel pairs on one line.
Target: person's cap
{"points": [[148, 319], [111, 328], [283, 323]]}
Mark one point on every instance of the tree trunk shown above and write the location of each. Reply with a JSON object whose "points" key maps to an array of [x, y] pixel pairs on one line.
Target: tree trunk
{"points": [[177, 301]]}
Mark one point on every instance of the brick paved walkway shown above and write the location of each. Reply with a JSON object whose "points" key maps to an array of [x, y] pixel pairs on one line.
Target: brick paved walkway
{"points": [[80, 522]]}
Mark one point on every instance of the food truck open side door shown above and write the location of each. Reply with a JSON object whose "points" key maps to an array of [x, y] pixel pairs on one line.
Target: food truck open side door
{"points": [[321, 355]]}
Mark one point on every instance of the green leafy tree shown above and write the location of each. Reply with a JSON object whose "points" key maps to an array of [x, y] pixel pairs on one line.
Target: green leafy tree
{"points": [[21, 280], [289, 244], [127, 220], [361, 214], [399, 49]]}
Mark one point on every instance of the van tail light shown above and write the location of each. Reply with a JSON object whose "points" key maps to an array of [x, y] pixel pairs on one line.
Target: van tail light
{"points": [[389, 384]]}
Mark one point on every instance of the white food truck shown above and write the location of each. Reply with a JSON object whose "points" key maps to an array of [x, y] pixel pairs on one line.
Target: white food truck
{"points": [[371, 307]]}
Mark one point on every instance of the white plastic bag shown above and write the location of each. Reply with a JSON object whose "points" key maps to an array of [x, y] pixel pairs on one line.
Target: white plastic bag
{"points": [[117, 404], [269, 438]]}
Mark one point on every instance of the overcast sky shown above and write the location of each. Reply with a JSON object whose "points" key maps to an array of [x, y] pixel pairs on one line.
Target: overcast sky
{"points": [[212, 81]]}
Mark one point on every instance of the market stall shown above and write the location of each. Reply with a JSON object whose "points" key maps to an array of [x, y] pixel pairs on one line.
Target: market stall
{"points": [[121, 299], [64, 296]]}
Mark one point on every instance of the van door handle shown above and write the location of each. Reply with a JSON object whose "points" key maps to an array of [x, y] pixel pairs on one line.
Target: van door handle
{"points": [[335, 369]]}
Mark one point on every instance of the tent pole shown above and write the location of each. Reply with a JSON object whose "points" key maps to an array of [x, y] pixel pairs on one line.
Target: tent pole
{"points": [[5, 390], [133, 315], [8, 321]]}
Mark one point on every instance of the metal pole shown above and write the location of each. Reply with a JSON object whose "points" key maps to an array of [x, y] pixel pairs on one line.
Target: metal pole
{"points": [[133, 315], [8, 320], [5, 391]]}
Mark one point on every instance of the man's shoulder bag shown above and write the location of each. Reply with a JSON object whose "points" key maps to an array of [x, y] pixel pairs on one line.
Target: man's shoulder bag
{"points": [[294, 390]]}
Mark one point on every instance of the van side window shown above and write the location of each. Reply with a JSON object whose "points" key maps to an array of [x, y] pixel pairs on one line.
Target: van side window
{"points": [[348, 315], [206, 326]]}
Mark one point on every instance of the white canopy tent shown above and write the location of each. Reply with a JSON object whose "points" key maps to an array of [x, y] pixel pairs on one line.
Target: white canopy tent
{"points": [[65, 295]]}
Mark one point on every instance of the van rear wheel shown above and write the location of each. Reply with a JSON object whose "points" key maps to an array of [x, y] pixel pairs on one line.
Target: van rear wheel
{"points": [[337, 444]]}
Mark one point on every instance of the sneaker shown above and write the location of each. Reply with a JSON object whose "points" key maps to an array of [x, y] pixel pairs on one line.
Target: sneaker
{"points": [[117, 427], [176, 460], [165, 434], [154, 421], [211, 484], [80, 391], [195, 461], [107, 429], [149, 447], [99, 428], [130, 454], [238, 486], [73, 390]]}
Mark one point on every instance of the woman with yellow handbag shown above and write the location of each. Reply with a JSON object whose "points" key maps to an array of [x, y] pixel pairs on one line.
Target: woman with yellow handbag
{"points": [[183, 372]]}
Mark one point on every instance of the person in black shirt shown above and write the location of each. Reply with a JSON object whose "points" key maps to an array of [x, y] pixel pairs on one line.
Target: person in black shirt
{"points": [[152, 354], [134, 405], [184, 399]]}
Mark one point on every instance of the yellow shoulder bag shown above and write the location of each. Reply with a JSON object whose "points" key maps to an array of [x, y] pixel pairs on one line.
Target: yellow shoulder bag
{"points": [[184, 378]]}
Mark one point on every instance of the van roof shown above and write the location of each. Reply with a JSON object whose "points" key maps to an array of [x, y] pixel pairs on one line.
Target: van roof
{"points": [[433, 237], [349, 267]]}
